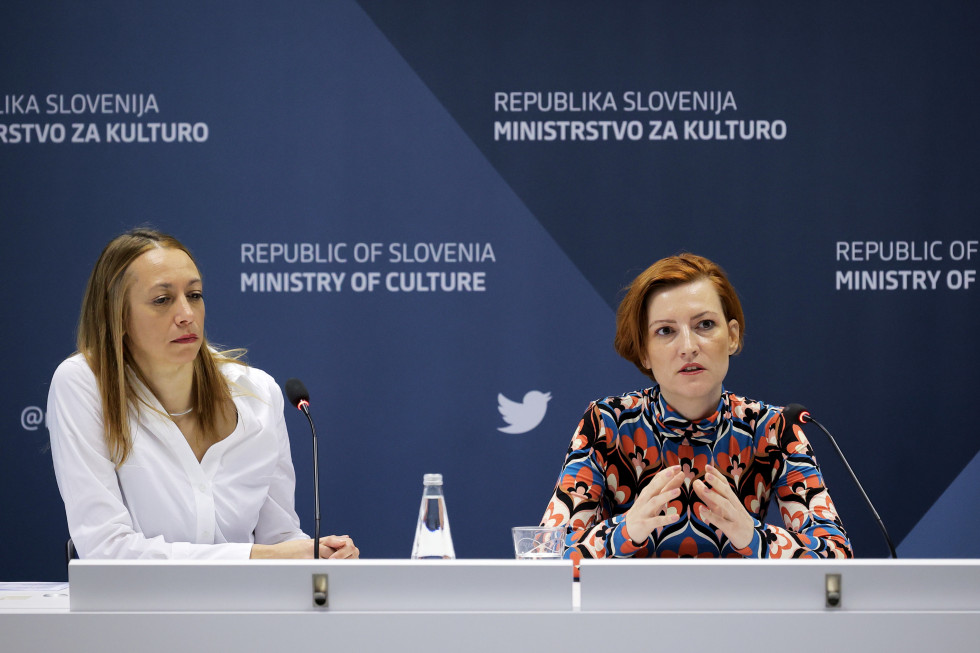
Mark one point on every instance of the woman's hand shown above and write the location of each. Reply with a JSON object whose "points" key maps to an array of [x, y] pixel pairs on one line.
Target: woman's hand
{"points": [[338, 547], [331, 546], [647, 513], [725, 512]]}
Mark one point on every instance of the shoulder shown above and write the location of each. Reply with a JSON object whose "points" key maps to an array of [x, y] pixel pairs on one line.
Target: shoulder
{"points": [[74, 373], [255, 390], [74, 366], [624, 401], [754, 414], [74, 406], [250, 379], [624, 407]]}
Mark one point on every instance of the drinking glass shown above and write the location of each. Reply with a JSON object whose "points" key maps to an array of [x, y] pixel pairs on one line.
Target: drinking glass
{"points": [[538, 542]]}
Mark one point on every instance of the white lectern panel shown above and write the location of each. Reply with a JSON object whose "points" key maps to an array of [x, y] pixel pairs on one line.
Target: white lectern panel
{"points": [[778, 585], [352, 585]]}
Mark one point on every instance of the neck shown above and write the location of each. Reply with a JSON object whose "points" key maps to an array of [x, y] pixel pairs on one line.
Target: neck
{"points": [[173, 387], [693, 409]]}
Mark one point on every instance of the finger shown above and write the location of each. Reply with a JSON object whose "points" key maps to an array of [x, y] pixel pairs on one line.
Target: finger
{"points": [[656, 483], [711, 498], [651, 524], [719, 511], [339, 543], [665, 479], [713, 518], [340, 546], [676, 480], [664, 520], [716, 509], [719, 482], [347, 551], [652, 506]]}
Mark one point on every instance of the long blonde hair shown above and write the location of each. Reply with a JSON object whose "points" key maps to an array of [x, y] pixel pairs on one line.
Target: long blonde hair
{"points": [[102, 340]]}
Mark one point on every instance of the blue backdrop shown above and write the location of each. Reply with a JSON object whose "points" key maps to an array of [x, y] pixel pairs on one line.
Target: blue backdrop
{"points": [[415, 207]]}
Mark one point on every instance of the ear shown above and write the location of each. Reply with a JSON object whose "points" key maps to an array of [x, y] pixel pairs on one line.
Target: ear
{"points": [[733, 332]]}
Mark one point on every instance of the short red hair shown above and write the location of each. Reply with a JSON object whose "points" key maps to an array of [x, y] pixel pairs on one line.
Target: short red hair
{"points": [[631, 317]]}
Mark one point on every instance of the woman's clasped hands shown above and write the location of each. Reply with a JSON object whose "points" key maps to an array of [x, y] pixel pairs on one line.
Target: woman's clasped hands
{"points": [[331, 546], [724, 509]]}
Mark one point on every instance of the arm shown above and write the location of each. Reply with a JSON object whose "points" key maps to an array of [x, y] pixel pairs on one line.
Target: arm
{"points": [[278, 521], [277, 531], [812, 527], [98, 520], [581, 503]]}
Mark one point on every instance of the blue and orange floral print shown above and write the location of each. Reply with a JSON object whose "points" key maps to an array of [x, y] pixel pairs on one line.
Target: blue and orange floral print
{"points": [[622, 442]]}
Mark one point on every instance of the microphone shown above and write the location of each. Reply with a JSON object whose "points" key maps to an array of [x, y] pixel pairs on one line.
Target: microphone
{"points": [[298, 396], [795, 413]]}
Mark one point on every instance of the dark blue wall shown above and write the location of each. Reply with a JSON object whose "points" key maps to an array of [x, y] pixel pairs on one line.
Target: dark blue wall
{"points": [[372, 124]]}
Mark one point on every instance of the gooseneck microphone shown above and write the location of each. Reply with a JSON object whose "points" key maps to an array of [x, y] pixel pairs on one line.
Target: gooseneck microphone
{"points": [[796, 413], [299, 397]]}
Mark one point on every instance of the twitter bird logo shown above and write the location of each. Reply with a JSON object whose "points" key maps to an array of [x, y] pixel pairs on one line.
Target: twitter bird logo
{"points": [[522, 417]]}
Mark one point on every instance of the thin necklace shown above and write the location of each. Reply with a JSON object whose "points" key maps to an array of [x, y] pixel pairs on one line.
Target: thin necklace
{"points": [[181, 414]]}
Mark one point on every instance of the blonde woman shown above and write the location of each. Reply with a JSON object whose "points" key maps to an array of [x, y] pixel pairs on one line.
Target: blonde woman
{"points": [[164, 447]]}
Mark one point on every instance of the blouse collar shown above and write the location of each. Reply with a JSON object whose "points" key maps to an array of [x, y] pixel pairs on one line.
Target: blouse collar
{"points": [[675, 426]]}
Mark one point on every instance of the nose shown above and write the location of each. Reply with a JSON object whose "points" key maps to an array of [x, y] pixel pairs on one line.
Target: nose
{"points": [[688, 343], [183, 313]]}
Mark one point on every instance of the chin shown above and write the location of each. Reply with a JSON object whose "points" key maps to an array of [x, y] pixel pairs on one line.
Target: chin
{"points": [[184, 360]]}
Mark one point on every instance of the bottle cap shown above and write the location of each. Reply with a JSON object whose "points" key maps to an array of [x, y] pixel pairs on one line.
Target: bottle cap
{"points": [[432, 479]]}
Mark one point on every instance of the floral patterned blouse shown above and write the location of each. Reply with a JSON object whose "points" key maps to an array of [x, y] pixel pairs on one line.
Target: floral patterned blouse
{"points": [[622, 442]]}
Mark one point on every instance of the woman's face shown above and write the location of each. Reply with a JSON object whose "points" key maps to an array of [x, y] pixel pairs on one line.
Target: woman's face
{"points": [[165, 327], [688, 345]]}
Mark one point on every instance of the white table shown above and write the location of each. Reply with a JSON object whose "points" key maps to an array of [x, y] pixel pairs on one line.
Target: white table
{"points": [[917, 613]]}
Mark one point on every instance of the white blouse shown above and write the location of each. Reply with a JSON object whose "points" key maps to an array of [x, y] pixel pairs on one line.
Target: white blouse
{"points": [[162, 502]]}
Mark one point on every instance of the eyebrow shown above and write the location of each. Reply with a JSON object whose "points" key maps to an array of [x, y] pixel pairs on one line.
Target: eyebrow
{"points": [[693, 317], [166, 285]]}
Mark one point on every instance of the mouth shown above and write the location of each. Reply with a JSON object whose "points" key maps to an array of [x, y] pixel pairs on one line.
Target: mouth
{"points": [[186, 340], [693, 368]]}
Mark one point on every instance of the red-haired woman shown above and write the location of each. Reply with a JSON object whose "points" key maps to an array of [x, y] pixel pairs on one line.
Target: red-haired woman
{"points": [[686, 468]]}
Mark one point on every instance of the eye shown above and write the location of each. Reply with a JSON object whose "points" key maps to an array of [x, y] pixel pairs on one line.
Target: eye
{"points": [[195, 296], [706, 325], [664, 331], [162, 300]]}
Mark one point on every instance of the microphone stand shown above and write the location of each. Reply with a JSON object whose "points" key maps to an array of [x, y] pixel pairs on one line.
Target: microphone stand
{"points": [[305, 407], [806, 417]]}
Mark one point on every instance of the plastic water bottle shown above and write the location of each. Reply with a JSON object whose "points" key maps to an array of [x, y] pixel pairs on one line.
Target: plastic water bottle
{"points": [[432, 537]]}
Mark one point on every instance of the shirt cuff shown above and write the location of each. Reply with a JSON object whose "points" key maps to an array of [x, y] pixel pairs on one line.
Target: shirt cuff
{"points": [[756, 547], [623, 545]]}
